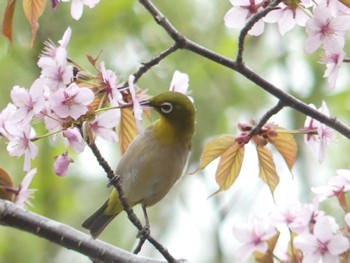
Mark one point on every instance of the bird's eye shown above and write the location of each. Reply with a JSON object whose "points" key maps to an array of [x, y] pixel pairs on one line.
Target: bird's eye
{"points": [[166, 107]]}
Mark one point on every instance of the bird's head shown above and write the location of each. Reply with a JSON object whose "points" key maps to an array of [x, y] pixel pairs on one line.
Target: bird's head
{"points": [[175, 109]]}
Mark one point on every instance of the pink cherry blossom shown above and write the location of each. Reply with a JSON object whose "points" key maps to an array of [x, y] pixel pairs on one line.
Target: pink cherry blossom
{"points": [[72, 101], [104, 125], [333, 60], [53, 122], [24, 193], [241, 12], [286, 17], [5, 118], [61, 165], [322, 244], [75, 139], [50, 49], [111, 84], [21, 144], [29, 102], [253, 235], [56, 72], [336, 7], [336, 185], [77, 7], [179, 82], [324, 29], [295, 216], [319, 141]]}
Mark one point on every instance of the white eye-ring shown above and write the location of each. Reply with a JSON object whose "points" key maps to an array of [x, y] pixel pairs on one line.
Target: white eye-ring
{"points": [[166, 107]]}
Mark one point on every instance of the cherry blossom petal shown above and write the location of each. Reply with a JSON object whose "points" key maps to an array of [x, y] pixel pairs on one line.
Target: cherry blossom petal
{"points": [[179, 82], [338, 245], [77, 9], [75, 139], [61, 165], [24, 192]]}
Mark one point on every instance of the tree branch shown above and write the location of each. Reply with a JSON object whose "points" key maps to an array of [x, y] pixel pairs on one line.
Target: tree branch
{"points": [[154, 61], [287, 99], [65, 236]]}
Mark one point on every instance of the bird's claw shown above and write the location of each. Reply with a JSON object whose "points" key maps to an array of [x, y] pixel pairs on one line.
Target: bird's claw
{"points": [[144, 232]]}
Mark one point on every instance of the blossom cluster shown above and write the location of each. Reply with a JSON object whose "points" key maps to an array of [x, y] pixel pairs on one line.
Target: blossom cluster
{"points": [[69, 102], [314, 235], [326, 23]]}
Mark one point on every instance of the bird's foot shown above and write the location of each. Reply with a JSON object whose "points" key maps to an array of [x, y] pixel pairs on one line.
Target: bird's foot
{"points": [[144, 232]]}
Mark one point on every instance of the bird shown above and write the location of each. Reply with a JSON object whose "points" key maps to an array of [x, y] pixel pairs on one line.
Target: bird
{"points": [[153, 161]]}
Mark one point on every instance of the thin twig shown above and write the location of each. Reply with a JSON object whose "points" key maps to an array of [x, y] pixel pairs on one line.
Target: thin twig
{"points": [[154, 61], [142, 240], [278, 107], [253, 20]]}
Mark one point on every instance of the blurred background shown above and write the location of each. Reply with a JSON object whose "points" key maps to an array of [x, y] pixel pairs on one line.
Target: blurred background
{"points": [[189, 224]]}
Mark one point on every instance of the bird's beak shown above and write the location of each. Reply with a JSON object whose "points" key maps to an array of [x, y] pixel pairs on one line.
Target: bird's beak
{"points": [[147, 103]]}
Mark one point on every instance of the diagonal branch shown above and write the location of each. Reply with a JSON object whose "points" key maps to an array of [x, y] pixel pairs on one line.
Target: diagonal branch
{"points": [[65, 236], [287, 99], [154, 61]]}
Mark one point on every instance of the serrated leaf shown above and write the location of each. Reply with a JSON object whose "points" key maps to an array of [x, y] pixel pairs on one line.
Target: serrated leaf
{"points": [[287, 147], [268, 256], [128, 129], [33, 9], [229, 166], [267, 169], [7, 21], [6, 186], [214, 149]]}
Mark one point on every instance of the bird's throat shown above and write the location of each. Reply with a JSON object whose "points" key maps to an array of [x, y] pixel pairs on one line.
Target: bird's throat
{"points": [[168, 133]]}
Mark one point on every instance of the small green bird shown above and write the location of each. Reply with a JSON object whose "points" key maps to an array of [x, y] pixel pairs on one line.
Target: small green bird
{"points": [[154, 161]]}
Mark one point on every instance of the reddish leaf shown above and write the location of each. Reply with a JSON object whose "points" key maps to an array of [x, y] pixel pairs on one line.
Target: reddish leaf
{"points": [[229, 166], [7, 21], [215, 148], [128, 129], [33, 9], [267, 169], [6, 186], [287, 147]]}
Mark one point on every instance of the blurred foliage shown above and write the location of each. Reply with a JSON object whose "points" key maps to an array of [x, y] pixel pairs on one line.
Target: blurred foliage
{"points": [[127, 35]]}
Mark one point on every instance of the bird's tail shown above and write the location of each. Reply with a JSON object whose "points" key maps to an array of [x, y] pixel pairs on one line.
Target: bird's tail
{"points": [[98, 221]]}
